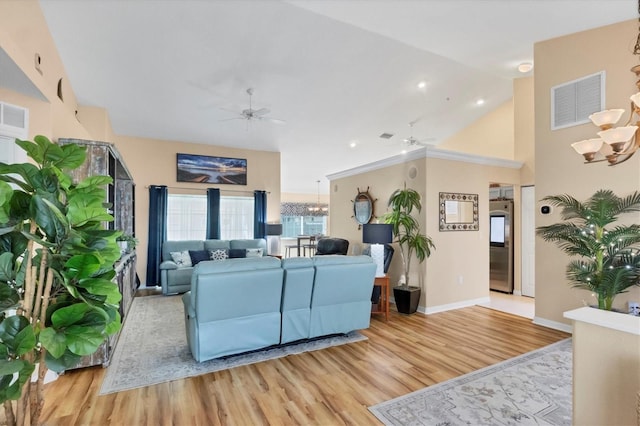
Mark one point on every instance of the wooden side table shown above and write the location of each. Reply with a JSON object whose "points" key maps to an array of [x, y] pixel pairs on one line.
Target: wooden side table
{"points": [[383, 303]]}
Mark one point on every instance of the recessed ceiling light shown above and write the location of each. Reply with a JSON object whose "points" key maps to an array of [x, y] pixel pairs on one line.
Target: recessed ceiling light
{"points": [[422, 85], [353, 144], [480, 102], [404, 151], [525, 67]]}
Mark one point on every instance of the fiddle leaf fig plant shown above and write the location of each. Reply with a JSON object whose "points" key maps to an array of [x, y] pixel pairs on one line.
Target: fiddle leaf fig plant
{"points": [[57, 299], [406, 228], [606, 259]]}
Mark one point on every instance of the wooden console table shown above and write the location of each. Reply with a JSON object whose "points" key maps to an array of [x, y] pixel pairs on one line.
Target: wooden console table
{"points": [[383, 303]]}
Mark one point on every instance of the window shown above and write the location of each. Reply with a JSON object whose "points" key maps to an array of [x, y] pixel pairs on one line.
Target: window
{"points": [[187, 217], [303, 219], [236, 218]]}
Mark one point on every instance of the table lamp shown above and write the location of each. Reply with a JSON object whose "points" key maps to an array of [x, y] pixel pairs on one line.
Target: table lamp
{"points": [[377, 234], [274, 230]]}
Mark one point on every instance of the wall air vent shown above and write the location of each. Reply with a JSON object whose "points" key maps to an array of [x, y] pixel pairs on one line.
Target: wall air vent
{"points": [[574, 101], [14, 120], [386, 135]]}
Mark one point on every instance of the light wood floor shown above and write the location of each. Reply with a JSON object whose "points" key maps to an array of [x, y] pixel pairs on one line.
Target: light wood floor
{"points": [[333, 386]]}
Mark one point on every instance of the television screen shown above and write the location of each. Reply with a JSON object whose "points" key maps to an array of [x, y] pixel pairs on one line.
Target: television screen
{"points": [[496, 236]]}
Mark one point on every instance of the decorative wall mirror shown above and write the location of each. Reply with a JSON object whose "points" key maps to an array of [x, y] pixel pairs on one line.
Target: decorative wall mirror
{"points": [[458, 212], [363, 207]]}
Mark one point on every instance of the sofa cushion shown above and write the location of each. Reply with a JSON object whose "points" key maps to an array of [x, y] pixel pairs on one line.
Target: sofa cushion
{"points": [[198, 256], [253, 252], [182, 258], [245, 244], [216, 244], [173, 246], [219, 254], [237, 253]]}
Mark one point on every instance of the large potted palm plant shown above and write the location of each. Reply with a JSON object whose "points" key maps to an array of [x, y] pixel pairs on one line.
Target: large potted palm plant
{"points": [[57, 299], [406, 230], [606, 259]]}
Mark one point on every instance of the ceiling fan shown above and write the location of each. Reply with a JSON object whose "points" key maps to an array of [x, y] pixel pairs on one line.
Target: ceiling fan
{"points": [[250, 114], [411, 141]]}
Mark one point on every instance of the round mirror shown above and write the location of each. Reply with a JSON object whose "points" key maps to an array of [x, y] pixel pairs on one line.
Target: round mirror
{"points": [[362, 208]]}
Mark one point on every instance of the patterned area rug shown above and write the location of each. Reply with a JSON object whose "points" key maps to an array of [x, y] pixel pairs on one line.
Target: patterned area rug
{"points": [[152, 348], [531, 389]]}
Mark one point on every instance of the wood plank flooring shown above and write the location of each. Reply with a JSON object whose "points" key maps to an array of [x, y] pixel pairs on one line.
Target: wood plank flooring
{"points": [[332, 386]]}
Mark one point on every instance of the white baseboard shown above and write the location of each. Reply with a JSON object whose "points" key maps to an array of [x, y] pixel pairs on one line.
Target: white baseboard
{"points": [[451, 306], [567, 328], [517, 293]]}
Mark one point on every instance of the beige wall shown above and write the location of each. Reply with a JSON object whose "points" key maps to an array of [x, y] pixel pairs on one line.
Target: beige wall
{"points": [[558, 169], [381, 184], [458, 270], [490, 136], [153, 162], [524, 128]]}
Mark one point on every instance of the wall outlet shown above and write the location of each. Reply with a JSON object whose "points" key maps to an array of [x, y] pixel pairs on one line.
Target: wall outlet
{"points": [[460, 280], [634, 308]]}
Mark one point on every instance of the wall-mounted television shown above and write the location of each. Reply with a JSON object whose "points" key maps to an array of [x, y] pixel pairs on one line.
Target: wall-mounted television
{"points": [[497, 231], [207, 169]]}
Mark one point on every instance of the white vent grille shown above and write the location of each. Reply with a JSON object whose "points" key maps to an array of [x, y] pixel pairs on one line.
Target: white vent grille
{"points": [[573, 102], [14, 120]]}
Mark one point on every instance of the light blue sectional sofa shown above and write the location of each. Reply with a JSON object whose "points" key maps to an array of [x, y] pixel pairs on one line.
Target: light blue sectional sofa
{"points": [[240, 305], [177, 279]]}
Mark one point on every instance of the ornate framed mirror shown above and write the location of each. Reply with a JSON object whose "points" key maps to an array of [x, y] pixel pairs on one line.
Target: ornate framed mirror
{"points": [[458, 212], [363, 207]]}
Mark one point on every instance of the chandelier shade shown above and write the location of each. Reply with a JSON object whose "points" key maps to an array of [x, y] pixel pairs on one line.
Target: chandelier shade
{"points": [[606, 119]]}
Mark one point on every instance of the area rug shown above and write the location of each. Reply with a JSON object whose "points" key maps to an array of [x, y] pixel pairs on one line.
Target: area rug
{"points": [[531, 389], [152, 348]]}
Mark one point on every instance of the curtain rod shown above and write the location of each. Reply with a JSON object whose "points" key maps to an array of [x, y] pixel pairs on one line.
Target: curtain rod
{"points": [[204, 189]]}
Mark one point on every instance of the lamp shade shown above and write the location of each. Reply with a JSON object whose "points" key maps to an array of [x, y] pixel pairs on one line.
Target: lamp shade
{"points": [[274, 229], [377, 233]]}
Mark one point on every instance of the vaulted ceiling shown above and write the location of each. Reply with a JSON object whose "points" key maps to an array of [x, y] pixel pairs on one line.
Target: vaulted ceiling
{"points": [[338, 73]]}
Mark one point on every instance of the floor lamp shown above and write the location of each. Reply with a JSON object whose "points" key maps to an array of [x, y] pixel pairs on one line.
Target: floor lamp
{"points": [[377, 234]]}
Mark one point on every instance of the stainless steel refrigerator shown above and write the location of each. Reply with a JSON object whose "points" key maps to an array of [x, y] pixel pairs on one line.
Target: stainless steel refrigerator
{"points": [[501, 245]]}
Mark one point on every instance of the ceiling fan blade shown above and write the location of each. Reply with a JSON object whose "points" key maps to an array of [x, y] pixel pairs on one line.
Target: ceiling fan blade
{"points": [[259, 112], [234, 118], [273, 120]]}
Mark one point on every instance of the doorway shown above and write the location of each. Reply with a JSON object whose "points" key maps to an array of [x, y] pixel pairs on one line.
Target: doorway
{"points": [[521, 301]]}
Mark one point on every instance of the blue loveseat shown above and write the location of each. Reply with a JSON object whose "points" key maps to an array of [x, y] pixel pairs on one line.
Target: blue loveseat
{"points": [[240, 305], [176, 278]]}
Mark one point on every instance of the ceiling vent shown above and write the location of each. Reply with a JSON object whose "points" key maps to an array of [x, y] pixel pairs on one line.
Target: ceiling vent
{"points": [[386, 135], [14, 120], [573, 102]]}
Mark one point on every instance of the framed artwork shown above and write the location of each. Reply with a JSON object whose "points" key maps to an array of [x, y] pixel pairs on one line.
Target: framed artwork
{"points": [[207, 169]]}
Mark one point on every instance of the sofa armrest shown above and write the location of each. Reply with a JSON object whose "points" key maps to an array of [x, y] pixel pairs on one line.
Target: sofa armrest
{"points": [[168, 264], [188, 308]]}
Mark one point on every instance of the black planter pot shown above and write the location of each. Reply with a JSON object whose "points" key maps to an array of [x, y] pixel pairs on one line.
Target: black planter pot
{"points": [[407, 299]]}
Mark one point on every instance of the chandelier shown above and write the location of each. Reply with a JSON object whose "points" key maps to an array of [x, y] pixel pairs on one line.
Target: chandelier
{"points": [[614, 144], [318, 207]]}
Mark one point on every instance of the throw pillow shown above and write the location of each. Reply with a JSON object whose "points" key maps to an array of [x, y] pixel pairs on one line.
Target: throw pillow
{"points": [[198, 256], [182, 258], [219, 254], [236, 253], [254, 252]]}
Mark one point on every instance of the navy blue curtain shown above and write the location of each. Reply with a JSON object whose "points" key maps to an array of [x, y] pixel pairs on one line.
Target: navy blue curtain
{"points": [[259, 214], [157, 232], [213, 214]]}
